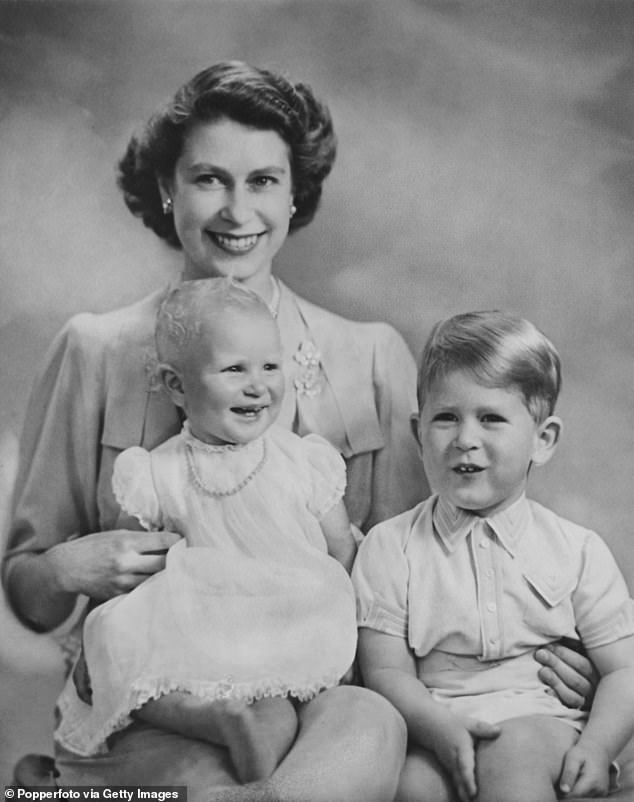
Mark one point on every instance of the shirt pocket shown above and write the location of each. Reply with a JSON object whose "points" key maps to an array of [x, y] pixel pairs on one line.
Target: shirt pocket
{"points": [[548, 610]]}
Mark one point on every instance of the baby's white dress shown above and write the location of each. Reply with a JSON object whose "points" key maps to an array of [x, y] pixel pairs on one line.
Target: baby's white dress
{"points": [[250, 604]]}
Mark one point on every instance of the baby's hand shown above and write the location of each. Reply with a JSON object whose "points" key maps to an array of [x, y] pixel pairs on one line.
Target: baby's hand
{"points": [[586, 771]]}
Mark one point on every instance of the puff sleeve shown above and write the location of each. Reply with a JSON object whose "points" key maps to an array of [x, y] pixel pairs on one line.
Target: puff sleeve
{"points": [[134, 488], [327, 474], [380, 578]]}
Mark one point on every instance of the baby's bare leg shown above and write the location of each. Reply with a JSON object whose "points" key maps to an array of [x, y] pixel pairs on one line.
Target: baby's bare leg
{"points": [[423, 778], [257, 735], [524, 762]]}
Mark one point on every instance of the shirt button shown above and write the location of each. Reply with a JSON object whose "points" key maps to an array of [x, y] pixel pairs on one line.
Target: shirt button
{"points": [[491, 607], [484, 544]]}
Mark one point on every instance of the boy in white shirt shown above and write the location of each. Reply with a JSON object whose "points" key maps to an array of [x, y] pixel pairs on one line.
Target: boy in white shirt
{"points": [[455, 595]]}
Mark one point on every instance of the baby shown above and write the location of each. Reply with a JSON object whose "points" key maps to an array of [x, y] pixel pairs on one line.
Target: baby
{"points": [[455, 595], [255, 609]]}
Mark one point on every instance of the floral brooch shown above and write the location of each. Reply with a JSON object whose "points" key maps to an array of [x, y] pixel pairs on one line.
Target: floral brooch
{"points": [[308, 380]]}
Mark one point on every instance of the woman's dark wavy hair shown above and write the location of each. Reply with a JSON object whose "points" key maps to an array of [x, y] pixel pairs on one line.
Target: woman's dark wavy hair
{"points": [[247, 95]]}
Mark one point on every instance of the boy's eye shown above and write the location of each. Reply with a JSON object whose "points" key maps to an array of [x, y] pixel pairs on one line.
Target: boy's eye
{"points": [[232, 369], [492, 417]]}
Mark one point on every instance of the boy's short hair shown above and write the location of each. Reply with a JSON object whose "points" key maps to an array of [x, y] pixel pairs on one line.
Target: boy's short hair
{"points": [[498, 350], [187, 308]]}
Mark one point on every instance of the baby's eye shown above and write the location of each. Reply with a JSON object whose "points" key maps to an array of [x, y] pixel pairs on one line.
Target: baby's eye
{"points": [[492, 417], [271, 366], [444, 417], [232, 369]]}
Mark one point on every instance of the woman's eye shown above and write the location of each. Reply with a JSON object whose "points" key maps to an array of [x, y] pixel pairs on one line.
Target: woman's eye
{"points": [[263, 180], [208, 179]]}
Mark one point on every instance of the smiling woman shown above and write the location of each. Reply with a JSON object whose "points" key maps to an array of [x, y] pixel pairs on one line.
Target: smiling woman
{"points": [[231, 198], [222, 172]]}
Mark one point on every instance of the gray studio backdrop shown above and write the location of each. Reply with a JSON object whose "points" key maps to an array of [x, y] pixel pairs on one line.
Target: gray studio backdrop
{"points": [[486, 160]]}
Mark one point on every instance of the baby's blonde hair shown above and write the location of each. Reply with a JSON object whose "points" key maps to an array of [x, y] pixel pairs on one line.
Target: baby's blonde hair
{"points": [[184, 312], [498, 350]]}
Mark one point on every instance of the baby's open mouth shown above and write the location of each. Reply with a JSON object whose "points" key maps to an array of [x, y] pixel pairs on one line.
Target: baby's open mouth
{"points": [[248, 412]]}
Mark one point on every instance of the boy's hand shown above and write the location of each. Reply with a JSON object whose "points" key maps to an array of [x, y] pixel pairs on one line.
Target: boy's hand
{"points": [[456, 754], [586, 771], [455, 750]]}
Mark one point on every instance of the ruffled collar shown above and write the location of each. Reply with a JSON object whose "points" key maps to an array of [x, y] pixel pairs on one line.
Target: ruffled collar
{"points": [[221, 470]]}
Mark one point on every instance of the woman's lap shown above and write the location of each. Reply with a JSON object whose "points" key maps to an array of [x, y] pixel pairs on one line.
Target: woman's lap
{"points": [[350, 745], [145, 755]]}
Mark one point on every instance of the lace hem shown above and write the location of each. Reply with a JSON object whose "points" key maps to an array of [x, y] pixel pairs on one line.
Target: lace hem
{"points": [[79, 733]]}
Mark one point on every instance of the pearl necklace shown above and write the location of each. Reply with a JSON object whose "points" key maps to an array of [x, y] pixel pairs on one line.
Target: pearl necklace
{"points": [[202, 487]]}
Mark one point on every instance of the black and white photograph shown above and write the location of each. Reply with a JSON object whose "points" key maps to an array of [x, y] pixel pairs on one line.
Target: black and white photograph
{"points": [[316, 418]]}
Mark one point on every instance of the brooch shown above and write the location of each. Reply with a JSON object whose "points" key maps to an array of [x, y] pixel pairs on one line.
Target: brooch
{"points": [[307, 382]]}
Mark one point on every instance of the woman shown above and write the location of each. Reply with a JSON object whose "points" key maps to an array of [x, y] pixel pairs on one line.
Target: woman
{"points": [[223, 172]]}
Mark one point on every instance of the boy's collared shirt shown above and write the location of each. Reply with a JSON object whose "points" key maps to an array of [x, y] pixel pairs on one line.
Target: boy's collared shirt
{"points": [[489, 588]]}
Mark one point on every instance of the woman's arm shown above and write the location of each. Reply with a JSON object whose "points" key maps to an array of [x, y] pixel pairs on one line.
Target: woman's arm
{"points": [[610, 724], [336, 528], [52, 555], [43, 588], [388, 667]]}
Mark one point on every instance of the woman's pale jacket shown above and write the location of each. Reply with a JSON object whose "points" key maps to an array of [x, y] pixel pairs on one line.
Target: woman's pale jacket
{"points": [[354, 384]]}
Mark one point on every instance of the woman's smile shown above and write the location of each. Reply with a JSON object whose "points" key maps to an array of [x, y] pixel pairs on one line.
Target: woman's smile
{"points": [[232, 195], [233, 243]]}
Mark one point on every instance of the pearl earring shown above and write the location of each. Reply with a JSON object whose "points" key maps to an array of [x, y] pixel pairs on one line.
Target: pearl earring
{"points": [[167, 206], [293, 209]]}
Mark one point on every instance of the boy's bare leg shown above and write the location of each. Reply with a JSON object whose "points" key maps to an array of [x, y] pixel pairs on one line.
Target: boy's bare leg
{"points": [[524, 762], [257, 735], [423, 779]]}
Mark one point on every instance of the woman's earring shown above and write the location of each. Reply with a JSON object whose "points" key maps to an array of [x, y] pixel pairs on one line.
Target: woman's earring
{"points": [[167, 206], [293, 209]]}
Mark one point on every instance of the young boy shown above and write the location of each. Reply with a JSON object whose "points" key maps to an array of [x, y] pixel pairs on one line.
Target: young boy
{"points": [[455, 595]]}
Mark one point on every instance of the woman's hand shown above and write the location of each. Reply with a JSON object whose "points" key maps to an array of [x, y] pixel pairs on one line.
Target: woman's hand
{"points": [[570, 674], [107, 564], [43, 587]]}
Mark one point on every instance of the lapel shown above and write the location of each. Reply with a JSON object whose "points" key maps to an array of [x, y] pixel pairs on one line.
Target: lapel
{"points": [[346, 353], [137, 411]]}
